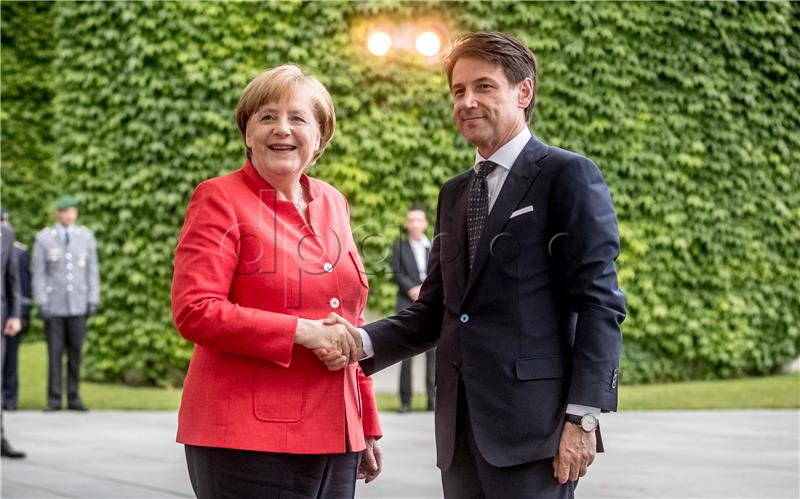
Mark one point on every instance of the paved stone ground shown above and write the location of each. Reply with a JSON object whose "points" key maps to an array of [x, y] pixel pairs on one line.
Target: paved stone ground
{"points": [[715, 454]]}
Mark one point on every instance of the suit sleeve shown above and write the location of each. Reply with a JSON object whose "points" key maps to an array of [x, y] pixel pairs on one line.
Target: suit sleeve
{"points": [[585, 257], [416, 329], [94, 272], [12, 285], [39, 268], [404, 281], [205, 264]]}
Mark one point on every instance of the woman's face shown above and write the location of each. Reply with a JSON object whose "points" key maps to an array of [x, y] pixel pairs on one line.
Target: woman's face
{"points": [[283, 136]]}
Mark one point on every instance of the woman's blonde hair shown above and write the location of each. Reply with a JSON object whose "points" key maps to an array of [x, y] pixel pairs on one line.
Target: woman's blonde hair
{"points": [[279, 83]]}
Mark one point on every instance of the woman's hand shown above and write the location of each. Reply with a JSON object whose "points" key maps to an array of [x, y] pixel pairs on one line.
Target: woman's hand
{"points": [[316, 335], [371, 461]]}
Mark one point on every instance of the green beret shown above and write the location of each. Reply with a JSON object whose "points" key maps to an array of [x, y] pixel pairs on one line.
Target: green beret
{"points": [[65, 202]]}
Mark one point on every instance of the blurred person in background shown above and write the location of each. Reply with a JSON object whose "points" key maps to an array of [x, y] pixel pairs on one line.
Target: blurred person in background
{"points": [[10, 312], [409, 269], [264, 256], [66, 290], [11, 351]]}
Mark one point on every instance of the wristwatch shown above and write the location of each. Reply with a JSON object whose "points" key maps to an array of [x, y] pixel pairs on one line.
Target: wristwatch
{"points": [[587, 422]]}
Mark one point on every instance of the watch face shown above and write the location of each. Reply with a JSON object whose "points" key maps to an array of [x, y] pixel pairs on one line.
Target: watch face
{"points": [[588, 423]]}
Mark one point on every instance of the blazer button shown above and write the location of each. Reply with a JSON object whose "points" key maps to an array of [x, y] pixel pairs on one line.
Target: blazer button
{"points": [[334, 302], [327, 267], [464, 318]]}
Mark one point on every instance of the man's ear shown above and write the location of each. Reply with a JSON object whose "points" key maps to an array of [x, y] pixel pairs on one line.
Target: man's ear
{"points": [[525, 95]]}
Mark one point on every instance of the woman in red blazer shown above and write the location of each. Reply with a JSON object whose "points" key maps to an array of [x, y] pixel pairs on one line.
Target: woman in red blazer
{"points": [[265, 255]]}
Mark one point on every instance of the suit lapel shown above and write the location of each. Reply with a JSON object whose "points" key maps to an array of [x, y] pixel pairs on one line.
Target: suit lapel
{"points": [[410, 262], [520, 178], [457, 242]]}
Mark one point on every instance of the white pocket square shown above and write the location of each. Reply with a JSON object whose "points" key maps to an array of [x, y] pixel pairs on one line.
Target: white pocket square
{"points": [[521, 211]]}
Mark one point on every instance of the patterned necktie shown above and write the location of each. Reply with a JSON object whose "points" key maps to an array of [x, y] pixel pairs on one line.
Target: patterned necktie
{"points": [[66, 238], [478, 208]]}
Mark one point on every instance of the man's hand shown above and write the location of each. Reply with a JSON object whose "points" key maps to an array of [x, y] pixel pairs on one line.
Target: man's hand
{"points": [[334, 360], [332, 337], [575, 453], [371, 462], [413, 293], [12, 326]]}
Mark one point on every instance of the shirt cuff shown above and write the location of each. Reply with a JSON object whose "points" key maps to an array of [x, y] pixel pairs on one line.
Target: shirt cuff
{"points": [[366, 345], [580, 410]]}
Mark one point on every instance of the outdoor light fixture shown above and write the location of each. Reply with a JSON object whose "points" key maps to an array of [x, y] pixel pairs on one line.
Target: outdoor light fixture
{"points": [[379, 43], [425, 37], [428, 43]]}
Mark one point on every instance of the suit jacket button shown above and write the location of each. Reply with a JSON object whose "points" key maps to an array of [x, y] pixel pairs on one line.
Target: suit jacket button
{"points": [[464, 318]]}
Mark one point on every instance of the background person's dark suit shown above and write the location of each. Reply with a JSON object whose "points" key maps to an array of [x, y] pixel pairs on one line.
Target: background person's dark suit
{"points": [[535, 324], [406, 275], [11, 351], [10, 296]]}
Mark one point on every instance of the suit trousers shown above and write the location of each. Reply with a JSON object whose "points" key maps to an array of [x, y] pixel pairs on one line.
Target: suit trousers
{"points": [[10, 370], [471, 476], [64, 332], [218, 473], [405, 378]]}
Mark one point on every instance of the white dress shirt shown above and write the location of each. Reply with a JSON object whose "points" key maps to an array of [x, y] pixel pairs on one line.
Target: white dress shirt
{"points": [[420, 249], [505, 157]]}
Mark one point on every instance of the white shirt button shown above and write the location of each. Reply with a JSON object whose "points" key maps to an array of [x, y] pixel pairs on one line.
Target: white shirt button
{"points": [[70, 287], [69, 277], [68, 256], [328, 267], [334, 302]]}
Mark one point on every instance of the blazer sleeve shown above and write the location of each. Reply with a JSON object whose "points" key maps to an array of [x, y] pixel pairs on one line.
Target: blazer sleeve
{"points": [[415, 329], [205, 264], [369, 407], [404, 281], [585, 255]]}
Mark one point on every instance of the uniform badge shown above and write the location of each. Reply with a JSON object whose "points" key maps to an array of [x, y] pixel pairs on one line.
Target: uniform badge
{"points": [[82, 261], [54, 254]]}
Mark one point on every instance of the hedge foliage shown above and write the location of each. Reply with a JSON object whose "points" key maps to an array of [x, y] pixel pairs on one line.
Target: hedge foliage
{"points": [[689, 109]]}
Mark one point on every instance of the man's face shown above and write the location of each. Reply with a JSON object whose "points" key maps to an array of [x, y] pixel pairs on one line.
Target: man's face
{"points": [[416, 224], [67, 216], [488, 110]]}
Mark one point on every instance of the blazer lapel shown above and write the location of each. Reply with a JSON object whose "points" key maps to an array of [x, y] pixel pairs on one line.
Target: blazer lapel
{"points": [[520, 178], [457, 241]]}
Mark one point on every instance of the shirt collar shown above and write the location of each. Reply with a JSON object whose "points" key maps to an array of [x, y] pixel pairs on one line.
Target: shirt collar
{"points": [[423, 241], [508, 154]]}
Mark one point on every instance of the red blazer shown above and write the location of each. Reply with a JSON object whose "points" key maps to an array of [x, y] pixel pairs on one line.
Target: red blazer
{"points": [[246, 267]]}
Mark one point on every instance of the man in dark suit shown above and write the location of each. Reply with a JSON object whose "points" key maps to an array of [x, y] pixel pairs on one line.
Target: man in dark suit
{"points": [[11, 308], [409, 269], [521, 295], [11, 351]]}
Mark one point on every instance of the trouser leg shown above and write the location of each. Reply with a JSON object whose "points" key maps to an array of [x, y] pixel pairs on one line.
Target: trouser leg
{"points": [[405, 382], [76, 331], [54, 329]]}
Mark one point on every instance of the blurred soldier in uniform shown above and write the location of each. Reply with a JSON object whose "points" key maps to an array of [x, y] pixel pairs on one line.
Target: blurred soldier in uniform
{"points": [[66, 289], [10, 355]]}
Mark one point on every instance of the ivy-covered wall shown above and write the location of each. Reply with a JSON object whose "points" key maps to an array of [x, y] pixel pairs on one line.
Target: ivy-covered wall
{"points": [[689, 109]]}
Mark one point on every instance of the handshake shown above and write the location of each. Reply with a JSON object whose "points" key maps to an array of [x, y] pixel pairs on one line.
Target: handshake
{"points": [[333, 340]]}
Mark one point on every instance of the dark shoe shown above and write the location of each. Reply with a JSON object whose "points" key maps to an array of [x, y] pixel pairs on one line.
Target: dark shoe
{"points": [[404, 408], [9, 407], [77, 406], [52, 408], [8, 451]]}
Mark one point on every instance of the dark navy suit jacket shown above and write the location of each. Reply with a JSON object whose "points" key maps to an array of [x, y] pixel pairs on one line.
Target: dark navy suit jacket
{"points": [[535, 325]]}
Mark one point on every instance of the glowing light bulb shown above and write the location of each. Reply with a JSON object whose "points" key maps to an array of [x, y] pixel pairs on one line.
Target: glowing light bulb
{"points": [[428, 43], [379, 43]]}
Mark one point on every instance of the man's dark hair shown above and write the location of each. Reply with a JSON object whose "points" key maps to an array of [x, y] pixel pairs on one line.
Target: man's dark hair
{"points": [[417, 207], [500, 49]]}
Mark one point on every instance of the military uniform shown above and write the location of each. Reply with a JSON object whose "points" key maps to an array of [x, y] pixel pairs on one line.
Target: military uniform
{"points": [[66, 289]]}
